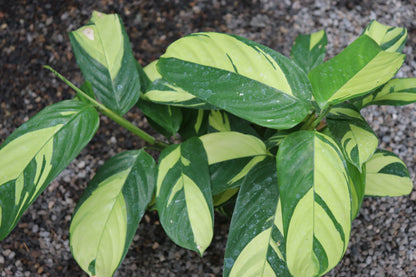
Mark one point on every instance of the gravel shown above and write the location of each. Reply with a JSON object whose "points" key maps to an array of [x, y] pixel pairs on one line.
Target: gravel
{"points": [[34, 33]]}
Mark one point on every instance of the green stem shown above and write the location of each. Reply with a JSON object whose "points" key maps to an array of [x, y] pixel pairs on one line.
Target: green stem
{"points": [[110, 114], [308, 121], [321, 116]]}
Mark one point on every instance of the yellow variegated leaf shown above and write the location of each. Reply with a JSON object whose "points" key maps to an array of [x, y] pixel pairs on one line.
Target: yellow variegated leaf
{"points": [[390, 39], [258, 87], [387, 175], [183, 195], [356, 138], [316, 202], [37, 152], [358, 69], [255, 245], [225, 146], [396, 92]]}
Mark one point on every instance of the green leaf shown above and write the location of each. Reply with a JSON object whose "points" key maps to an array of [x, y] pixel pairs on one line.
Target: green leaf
{"points": [[87, 88], [34, 154], [110, 210], [102, 50], [396, 92], [165, 119], [308, 51], [255, 245], [390, 39], [240, 76], [183, 195], [224, 146], [387, 175], [316, 202], [356, 138], [359, 69], [163, 92]]}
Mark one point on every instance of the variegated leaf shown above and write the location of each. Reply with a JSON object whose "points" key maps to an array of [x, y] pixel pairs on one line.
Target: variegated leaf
{"points": [[224, 146], [183, 195], [194, 123], [239, 76], [110, 210], [390, 39], [360, 68], [396, 92], [316, 202], [357, 187], [387, 175], [356, 138], [103, 53], [163, 92], [34, 154], [308, 51], [230, 174], [255, 245]]}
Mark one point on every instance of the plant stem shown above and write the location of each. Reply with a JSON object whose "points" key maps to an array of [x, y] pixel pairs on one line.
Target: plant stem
{"points": [[321, 116], [110, 114]]}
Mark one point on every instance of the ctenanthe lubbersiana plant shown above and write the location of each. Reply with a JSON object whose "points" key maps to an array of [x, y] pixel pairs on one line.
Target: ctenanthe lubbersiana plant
{"points": [[276, 143]]}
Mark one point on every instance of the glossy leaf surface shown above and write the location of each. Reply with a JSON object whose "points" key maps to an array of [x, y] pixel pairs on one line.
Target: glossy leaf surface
{"points": [[357, 70], [183, 195], [163, 92], [356, 138], [110, 210], [239, 76], [255, 245], [387, 175], [308, 51], [103, 53], [390, 39], [316, 204], [34, 154]]}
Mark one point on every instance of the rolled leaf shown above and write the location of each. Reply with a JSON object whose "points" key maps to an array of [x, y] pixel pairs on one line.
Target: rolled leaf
{"points": [[34, 154], [387, 175], [183, 195], [110, 210], [357, 188], [308, 51], [397, 92], [226, 146], [163, 92], [316, 202], [356, 138], [390, 39], [240, 76], [360, 68], [103, 53], [255, 245]]}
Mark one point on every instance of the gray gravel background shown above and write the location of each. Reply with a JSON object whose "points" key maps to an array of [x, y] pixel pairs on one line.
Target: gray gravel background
{"points": [[34, 33]]}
